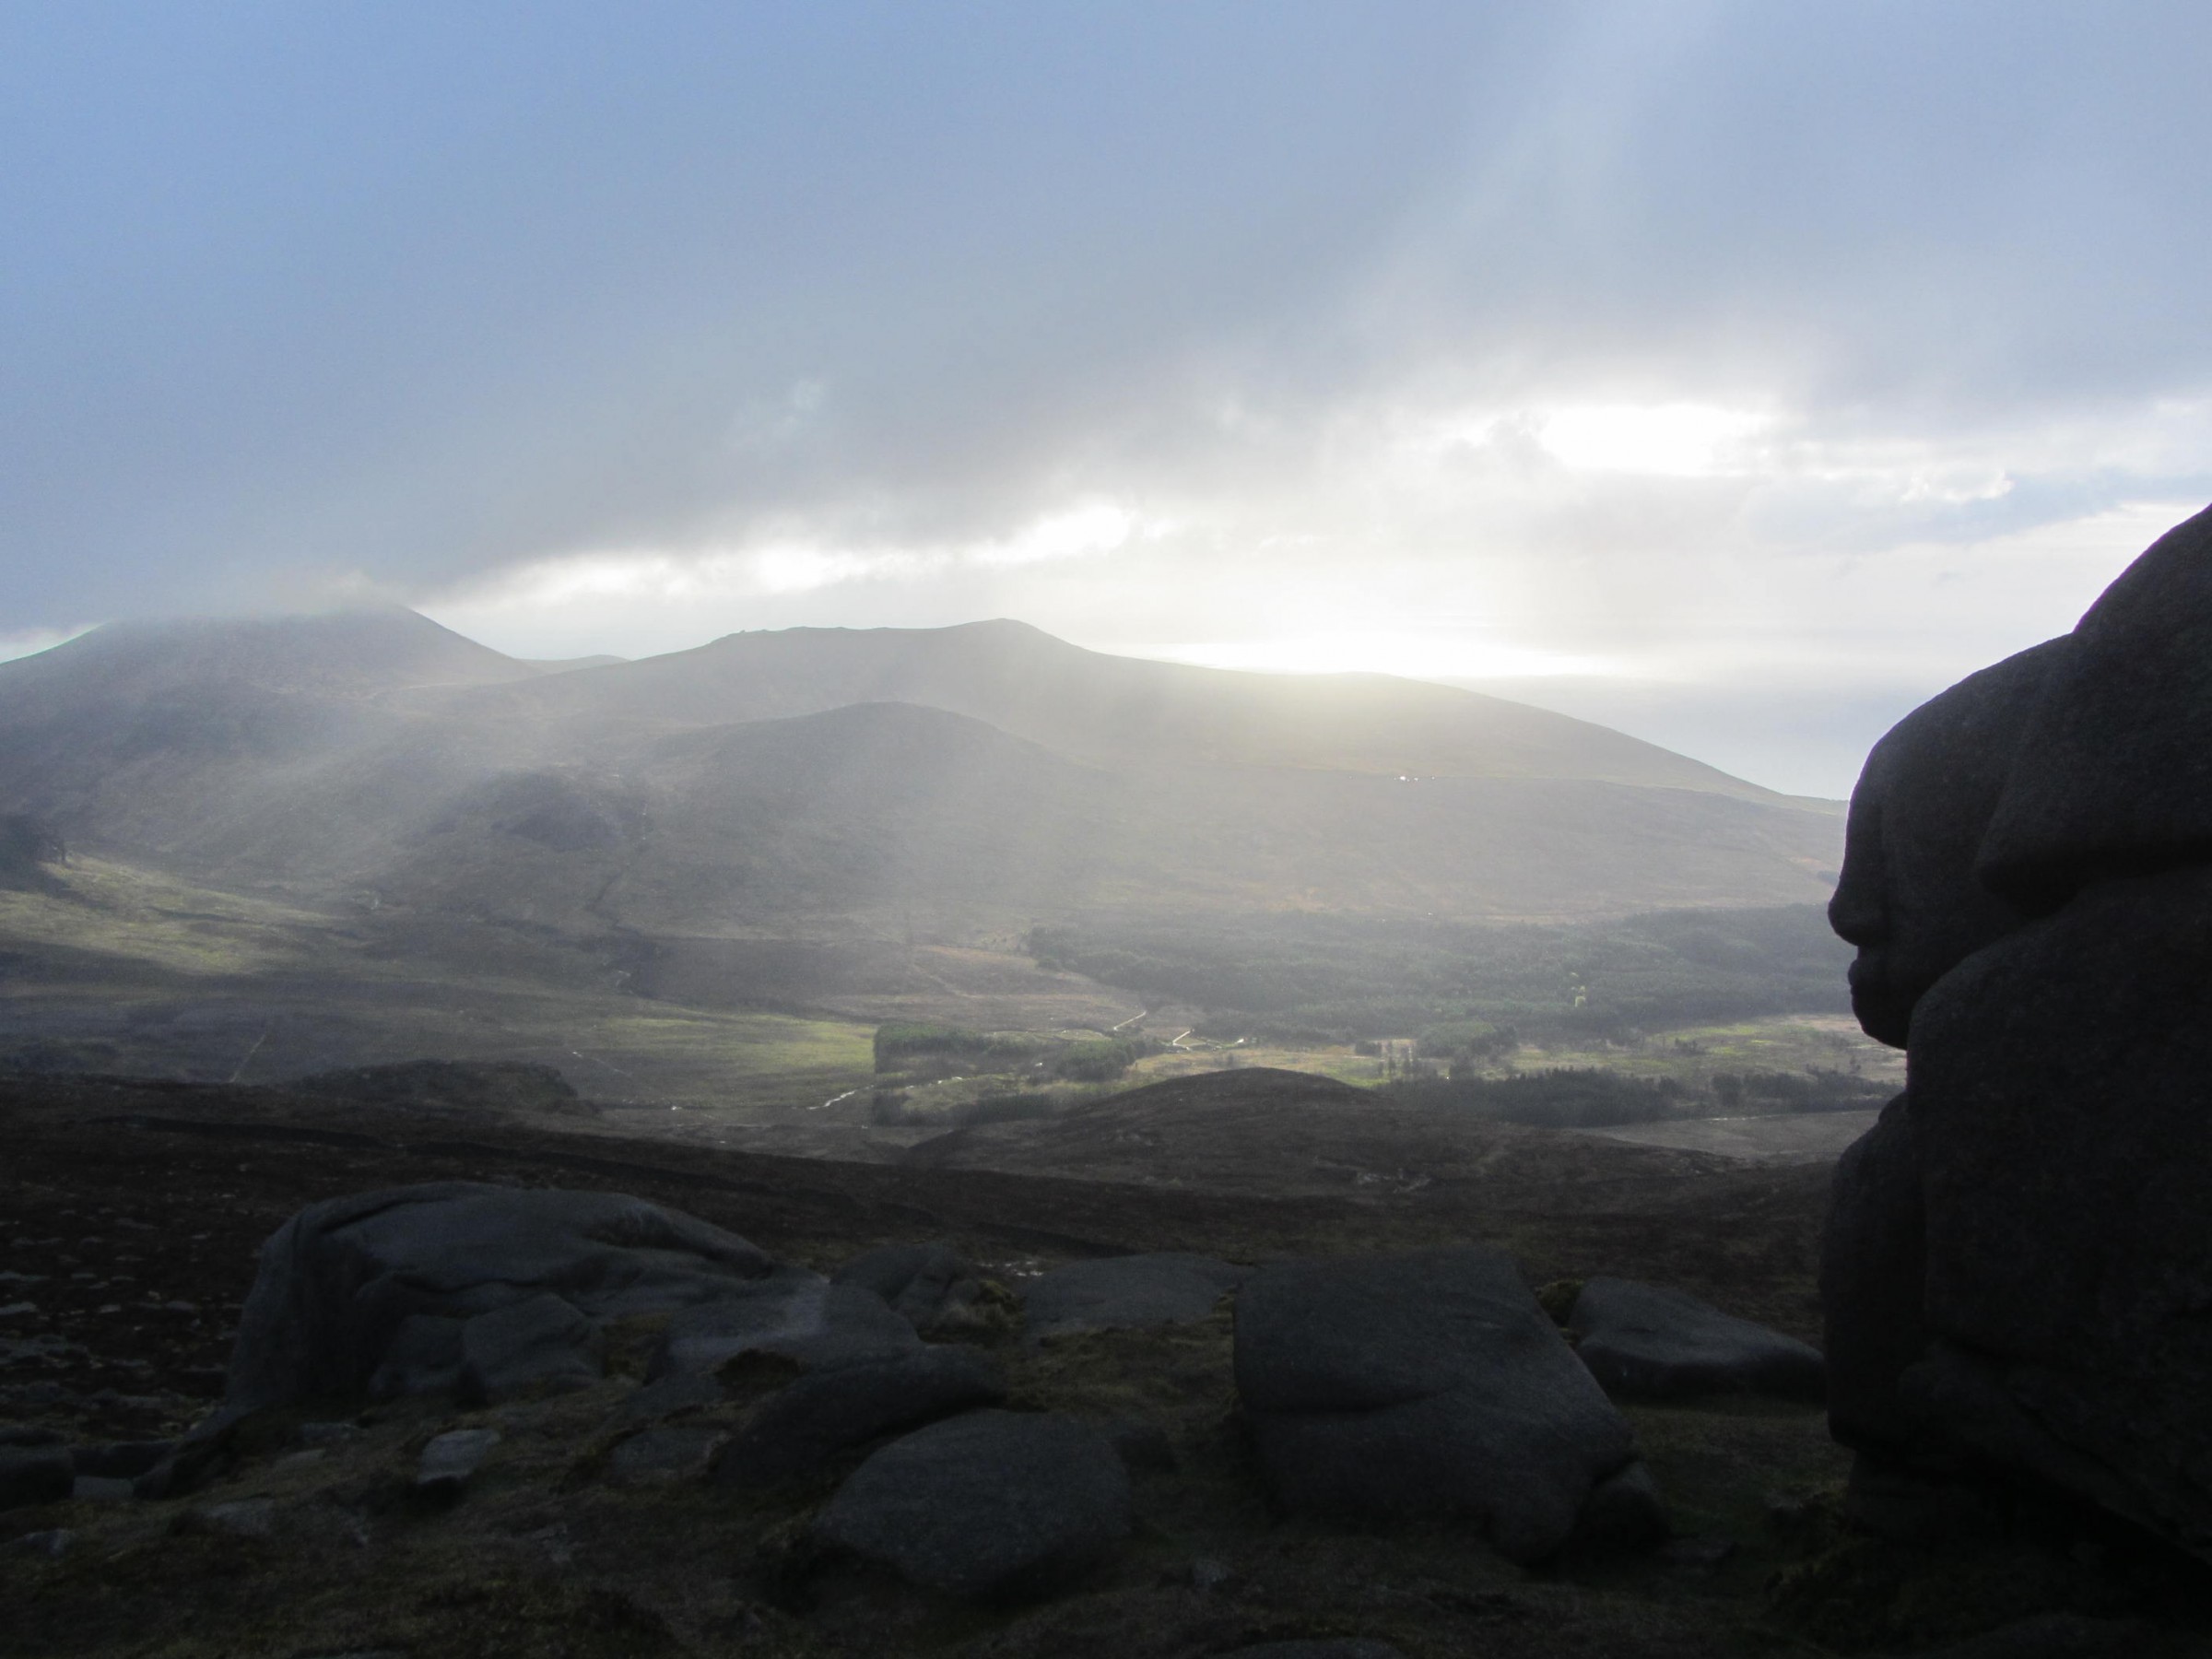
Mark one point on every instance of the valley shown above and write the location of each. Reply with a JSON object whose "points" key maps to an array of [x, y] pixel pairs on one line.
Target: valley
{"points": [[698, 885]]}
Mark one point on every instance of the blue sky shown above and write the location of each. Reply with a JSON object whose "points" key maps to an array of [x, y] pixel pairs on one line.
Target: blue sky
{"points": [[1739, 374]]}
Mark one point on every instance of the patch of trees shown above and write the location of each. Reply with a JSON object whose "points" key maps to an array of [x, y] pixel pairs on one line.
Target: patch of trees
{"points": [[916, 1050], [1775, 1091], [901, 1043]]}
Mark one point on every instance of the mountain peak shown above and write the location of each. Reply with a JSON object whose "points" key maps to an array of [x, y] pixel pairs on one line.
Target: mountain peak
{"points": [[355, 652]]}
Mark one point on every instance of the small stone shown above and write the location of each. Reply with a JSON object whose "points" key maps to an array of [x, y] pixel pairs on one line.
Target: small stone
{"points": [[24, 1434], [451, 1458], [1211, 1577], [327, 1434], [52, 1544], [245, 1518], [670, 1396], [100, 1489], [1698, 1557], [657, 1456]]}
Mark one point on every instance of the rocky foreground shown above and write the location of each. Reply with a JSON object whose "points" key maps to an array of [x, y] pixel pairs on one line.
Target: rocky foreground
{"points": [[759, 1406]]}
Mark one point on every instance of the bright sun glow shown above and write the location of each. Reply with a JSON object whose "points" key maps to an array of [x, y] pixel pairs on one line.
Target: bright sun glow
{"points": [[1415, 656], [1669, 440]]}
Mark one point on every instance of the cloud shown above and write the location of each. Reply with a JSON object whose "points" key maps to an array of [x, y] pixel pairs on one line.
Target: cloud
{"points": [[1690, 341], [15, 645]]}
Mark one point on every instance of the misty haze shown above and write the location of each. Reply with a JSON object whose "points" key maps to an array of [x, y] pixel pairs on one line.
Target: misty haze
{"points": [[1297, 832]]}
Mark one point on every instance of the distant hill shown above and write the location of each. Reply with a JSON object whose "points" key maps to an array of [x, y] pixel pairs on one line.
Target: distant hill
{"points": [[1116, 712], [888, 783]]}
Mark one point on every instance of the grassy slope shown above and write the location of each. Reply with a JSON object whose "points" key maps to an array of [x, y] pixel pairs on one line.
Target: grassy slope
{"points": [[827, 785], [135, 971]]}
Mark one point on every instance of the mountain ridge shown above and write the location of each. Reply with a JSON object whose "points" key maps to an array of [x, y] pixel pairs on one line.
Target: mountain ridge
{"points": [[858, 782], [1120, 711]]}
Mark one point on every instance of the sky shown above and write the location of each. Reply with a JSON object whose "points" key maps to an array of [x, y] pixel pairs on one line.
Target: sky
{"points": [[1736, 374]]}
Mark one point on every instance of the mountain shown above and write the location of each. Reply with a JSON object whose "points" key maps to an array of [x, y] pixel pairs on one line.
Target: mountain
{"points": [[888, 784], [1114, 711]]}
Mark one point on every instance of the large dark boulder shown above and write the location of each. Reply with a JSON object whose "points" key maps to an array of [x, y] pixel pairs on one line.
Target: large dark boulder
{"points": [[991, 1505], [1907, 897], [2060, 1086], [2020, 1257], [413, 1289], [1874, 1265], [2114, 772], [1428, 1386], [1652, 1343]]}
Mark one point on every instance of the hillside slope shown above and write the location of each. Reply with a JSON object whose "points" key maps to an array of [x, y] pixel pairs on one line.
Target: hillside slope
{"points": [[826, 783], [1117, 712]]}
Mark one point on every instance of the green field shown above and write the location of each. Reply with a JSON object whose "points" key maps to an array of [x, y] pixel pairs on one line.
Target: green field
{"points": [[125, 970]]}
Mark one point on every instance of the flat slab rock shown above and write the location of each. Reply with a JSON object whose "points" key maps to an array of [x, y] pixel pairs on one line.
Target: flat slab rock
{"points": [[1650, 1343], [1128, 1292], [1426, 1386], [988, 1506], [449, 1459]]}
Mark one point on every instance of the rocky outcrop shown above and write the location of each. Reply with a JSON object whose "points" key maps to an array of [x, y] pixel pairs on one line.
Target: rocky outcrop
{"points": [[789, 1314], [2020, 1255], [1422, 1387], [936, 1290], [488, 1291], [1647, 1342]]}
